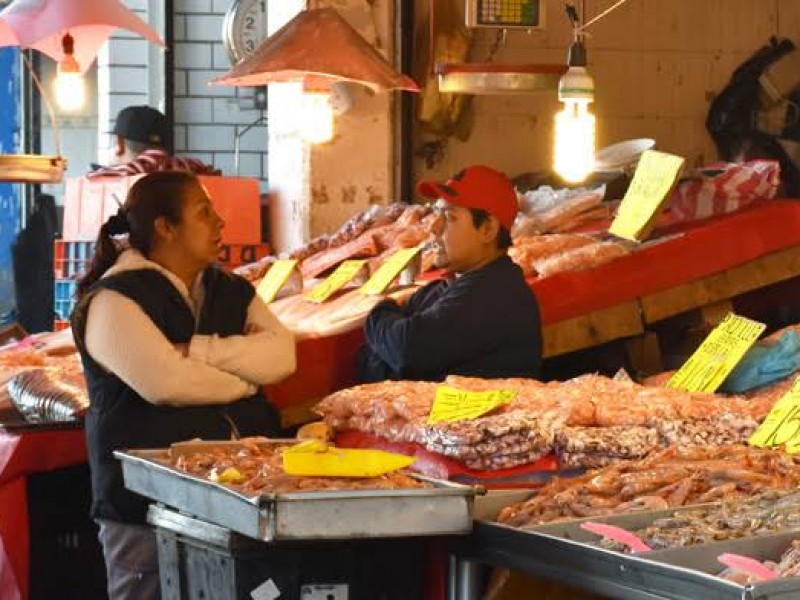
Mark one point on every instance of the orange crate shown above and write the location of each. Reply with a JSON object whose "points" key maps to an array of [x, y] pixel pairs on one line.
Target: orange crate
{"points": [[88, 203]]}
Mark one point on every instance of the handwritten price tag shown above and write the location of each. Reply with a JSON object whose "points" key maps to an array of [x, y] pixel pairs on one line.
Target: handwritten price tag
{"points": [[718, 355], [655, 177], [782, 425], [388, 271], [452, 404], [275, 279], [343, 275]]}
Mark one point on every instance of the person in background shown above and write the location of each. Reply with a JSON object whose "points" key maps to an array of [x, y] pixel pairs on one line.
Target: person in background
{"points": [[141, 145], [173, 348], [483, 323]]}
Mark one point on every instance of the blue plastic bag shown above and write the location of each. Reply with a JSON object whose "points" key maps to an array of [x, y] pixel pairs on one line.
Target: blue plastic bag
{"points": [[763, 365]]}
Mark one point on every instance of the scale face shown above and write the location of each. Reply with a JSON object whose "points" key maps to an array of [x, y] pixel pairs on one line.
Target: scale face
{"points": [[244, 28], [506, 14]]}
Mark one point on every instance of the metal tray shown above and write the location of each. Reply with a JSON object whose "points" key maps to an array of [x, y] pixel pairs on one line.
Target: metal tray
{"points": [[669, 574], [443, 510]]}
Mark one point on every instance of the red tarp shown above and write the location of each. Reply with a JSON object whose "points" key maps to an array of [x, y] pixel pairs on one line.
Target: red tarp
{"points": [[21, 454]]}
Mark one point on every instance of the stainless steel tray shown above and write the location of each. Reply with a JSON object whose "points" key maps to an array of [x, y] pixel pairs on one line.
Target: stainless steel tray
{"points": [[442, 510], [669, 574]]}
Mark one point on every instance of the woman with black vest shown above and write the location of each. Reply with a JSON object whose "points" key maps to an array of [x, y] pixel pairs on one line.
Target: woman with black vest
{"points": [[173, 348]]}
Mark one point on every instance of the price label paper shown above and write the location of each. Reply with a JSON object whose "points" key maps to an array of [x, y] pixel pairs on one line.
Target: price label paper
{"points": [[318, 459], [718, 355], [388, 271], [337, 280], [275, 279], [452, 404], [782, 425], [655, 177]]}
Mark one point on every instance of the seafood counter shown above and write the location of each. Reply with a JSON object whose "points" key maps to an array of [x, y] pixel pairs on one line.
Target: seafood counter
{"points": [[541, 249], [242, 486], [713, 522], [586, 422]]}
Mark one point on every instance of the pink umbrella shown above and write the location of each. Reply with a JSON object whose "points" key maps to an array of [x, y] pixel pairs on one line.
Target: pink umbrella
{"points": [[41, 24]]}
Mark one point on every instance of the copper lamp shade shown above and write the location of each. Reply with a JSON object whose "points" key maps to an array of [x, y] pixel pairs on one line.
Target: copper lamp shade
{"points": [[319, 48]]}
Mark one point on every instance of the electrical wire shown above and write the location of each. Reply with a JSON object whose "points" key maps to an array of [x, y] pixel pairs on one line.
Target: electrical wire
{"points": [[603, 14]]}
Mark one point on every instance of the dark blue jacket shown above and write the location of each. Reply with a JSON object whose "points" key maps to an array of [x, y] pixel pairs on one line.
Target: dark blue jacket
{"points": [[484, 324], [120, 418]]}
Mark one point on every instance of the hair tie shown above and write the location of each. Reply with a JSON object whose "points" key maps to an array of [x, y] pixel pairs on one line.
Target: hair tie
{"points": [[118, 224]]}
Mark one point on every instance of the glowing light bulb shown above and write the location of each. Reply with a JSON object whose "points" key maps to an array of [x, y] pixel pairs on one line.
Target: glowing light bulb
{"points": [[575, 141], [69, 85], [317, 117], [573, 156]]}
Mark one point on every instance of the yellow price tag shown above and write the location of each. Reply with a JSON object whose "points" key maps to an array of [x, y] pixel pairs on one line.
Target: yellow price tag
{"points": [[655, 177], [388, 271], [343, 274], [718, 355], [318, 459], [782, 425], [452, 404], [274, 280]]}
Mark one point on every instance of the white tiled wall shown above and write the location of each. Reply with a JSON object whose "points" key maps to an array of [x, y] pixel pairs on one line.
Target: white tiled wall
{"points": [[211, 116], [207, 118]]}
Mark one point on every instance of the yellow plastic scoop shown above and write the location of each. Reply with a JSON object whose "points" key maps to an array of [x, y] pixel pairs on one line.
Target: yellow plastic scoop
{"points": [[315, 458]]}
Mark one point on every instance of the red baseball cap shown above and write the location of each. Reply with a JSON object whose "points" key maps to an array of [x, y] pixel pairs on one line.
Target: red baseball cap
{"points": [[479, 187]]}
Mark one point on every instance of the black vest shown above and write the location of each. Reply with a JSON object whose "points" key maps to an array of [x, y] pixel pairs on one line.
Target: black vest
{"points": [[119, 418]]}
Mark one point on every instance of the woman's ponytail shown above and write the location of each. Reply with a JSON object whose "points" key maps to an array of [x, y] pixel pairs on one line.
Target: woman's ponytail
{"points": [[106, 251]]}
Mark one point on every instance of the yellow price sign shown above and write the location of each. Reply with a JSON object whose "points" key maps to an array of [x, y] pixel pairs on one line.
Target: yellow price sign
{"points": [[718, 355], [782, 425], [388, 271], [275, 279], [452, 404], [343, 275], [655, 177], [318, 459]]}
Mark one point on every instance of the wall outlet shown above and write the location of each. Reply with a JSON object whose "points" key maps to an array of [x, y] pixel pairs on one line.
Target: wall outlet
{"points": [[320, 591]]}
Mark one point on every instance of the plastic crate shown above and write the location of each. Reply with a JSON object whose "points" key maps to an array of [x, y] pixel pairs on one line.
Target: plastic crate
{"points": [[236, 255], [89, 202], [66, 560], [64, 297], [71, 259], [60, 324]]}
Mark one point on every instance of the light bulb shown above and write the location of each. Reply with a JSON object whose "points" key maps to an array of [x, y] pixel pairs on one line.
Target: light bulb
{"points": [[575, 141], [69, 85], [573, 156], [317, 117]]}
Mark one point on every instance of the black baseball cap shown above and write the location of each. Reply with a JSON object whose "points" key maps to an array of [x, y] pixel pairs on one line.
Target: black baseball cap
{"points": [[142, 124]]}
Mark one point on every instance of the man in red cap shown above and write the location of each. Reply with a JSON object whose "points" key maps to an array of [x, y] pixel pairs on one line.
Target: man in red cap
{"points": [[485, 322]]}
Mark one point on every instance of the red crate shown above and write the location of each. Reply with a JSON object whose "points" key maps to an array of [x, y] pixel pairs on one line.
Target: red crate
{"points": [[88, 203], [60, 325], [71, 259]]}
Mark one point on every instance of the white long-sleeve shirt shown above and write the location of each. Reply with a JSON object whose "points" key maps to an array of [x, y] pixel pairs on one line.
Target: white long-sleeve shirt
{"points": [[122, 339]]}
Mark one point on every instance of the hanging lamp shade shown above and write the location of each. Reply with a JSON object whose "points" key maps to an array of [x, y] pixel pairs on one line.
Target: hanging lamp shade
{"points": [[41, 25], [319, 48]]}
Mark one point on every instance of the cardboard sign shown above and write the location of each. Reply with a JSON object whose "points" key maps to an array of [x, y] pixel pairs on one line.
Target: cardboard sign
{"points": [[718, 355], [655, 178], [452, 404], [388, 271], [343, 275], [315, 458], [275, 279], [782, 425]]}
